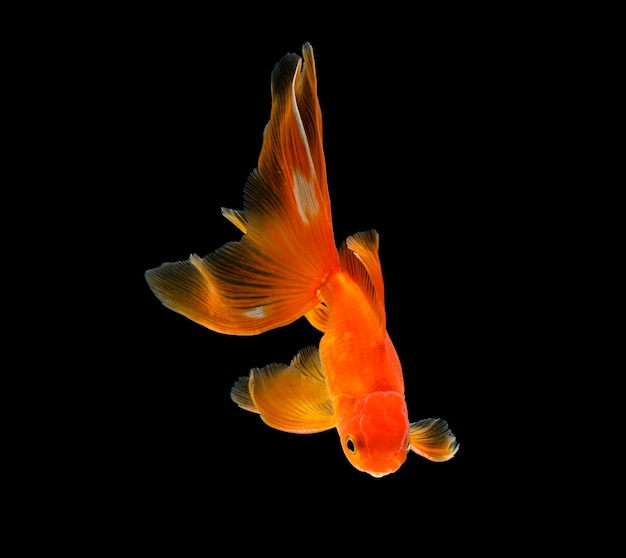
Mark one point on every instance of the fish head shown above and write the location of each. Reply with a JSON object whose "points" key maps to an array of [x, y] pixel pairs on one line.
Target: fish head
{"points": [[374, 432]]}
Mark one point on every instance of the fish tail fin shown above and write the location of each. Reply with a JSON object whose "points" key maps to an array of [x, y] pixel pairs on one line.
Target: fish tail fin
{"points": [[271, 277]]}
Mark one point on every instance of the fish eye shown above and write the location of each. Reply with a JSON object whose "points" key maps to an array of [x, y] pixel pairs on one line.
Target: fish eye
{"points": [[350, 444]]}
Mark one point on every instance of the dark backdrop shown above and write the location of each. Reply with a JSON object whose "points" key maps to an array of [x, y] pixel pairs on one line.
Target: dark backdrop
{"points": [[417, 135]]}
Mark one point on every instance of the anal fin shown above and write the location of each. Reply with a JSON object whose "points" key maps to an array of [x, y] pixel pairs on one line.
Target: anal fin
{"points": [[318, 317]]}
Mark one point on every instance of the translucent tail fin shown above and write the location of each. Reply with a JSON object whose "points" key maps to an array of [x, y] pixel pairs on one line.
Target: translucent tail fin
{"points": [[272, 275]]}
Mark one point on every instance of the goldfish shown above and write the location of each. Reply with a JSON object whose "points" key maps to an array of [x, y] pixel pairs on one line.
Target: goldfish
{"points": [[287, 266]]}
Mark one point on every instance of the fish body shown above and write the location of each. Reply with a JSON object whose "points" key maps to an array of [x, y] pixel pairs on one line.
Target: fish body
{"points": [[286, 266]]}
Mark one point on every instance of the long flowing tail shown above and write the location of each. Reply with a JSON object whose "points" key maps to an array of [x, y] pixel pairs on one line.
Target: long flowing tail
{"points": [[271, 277]]}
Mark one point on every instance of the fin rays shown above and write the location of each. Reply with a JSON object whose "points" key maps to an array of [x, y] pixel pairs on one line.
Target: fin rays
{"points": [[290, 398], [433, 439], [359, 258], [272, 275]]}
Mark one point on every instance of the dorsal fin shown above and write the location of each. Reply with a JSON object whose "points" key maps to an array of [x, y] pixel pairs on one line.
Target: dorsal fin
{"points": [[359, 258]]}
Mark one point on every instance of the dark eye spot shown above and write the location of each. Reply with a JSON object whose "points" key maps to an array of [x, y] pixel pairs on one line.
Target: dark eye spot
{"points": [[350, 445]]}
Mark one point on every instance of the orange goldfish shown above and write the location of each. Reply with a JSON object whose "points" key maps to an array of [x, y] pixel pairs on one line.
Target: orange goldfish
{"points": [[286, 266]]}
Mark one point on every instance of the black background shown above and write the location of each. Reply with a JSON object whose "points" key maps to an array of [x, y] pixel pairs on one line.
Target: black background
{"points": [[461, 134], [421, 131]]}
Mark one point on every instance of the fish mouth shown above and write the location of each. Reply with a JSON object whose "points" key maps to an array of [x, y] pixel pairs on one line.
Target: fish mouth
{"points": [[379, 475]]}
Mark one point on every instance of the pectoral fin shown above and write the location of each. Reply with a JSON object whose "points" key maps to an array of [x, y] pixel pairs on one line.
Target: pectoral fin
{"points": [[292, 398], [433, 439]]}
